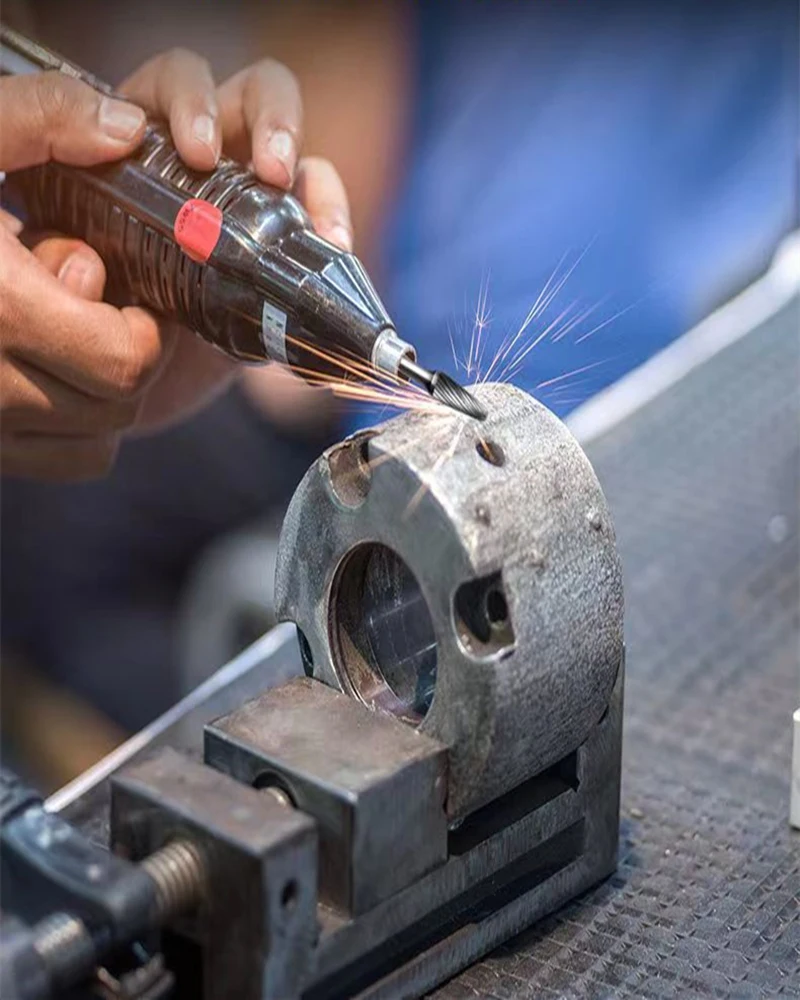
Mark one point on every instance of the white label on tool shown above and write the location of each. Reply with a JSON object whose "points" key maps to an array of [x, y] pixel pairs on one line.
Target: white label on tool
{"points": [[273, 332]]}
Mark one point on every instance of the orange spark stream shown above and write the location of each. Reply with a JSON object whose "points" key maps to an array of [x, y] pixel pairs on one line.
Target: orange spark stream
{"points": [[366, 384]]}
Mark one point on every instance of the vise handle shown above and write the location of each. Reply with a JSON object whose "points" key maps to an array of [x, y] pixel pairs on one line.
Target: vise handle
{"points": [[74, 901]]}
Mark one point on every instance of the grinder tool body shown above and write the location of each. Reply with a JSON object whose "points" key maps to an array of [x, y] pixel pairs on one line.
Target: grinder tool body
{"points": [[233, 259]]}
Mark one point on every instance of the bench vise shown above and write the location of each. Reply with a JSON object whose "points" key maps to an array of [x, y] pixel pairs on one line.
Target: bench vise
{"points": [[446, 771]]}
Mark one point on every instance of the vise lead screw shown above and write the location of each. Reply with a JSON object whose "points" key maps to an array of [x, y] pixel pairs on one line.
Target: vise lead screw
{"points": [[64, 942]]}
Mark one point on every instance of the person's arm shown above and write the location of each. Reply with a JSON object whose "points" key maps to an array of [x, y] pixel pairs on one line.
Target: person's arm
{"points": [[75, 372]]}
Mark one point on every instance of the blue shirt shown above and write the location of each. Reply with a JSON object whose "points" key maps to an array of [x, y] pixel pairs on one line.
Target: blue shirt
{"points": [[657, 140]]}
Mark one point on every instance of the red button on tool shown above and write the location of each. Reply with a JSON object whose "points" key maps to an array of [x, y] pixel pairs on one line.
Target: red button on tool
{"points": [[197, 228]]}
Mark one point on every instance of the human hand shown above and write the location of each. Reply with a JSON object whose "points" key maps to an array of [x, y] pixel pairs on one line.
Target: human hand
{"points": [[72, 369], [75, 373]]}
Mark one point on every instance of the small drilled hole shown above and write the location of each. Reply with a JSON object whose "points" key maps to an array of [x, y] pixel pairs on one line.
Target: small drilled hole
{"points": [[490, 451], [289, 895], [482, 617], [496, 607]]}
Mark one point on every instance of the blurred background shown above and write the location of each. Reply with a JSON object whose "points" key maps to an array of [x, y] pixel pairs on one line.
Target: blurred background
{"points": [[629, 165]]}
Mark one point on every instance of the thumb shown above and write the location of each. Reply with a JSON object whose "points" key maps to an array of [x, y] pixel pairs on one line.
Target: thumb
{"points": [[75, 264], [50, 116]]}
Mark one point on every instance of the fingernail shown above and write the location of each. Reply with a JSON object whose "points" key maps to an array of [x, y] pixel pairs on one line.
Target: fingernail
{"points": [[120, 120], [341, 236], [204, 130], [75, 271], [281, 146]]}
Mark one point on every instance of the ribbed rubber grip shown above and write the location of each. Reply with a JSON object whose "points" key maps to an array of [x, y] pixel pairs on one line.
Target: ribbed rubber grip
{"points": [[141, 263], [109, 207]]}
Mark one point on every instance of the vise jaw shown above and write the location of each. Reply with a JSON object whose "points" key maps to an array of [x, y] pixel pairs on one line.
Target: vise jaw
{"points": [[455, 743]]}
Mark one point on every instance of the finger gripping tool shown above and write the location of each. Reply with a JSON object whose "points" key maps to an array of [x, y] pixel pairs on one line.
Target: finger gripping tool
{"points": [[228, 256]]}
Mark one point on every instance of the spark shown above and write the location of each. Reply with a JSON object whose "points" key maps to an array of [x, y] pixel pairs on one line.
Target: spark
{"points": [[445, 456], [627, 309], [542, 303], [481, 321], [372, 393], [566, 375], [347, 390], [515, 363], [350, 364], [367, 384], [566, 387], [535, 308], [569, 400], [569, 327], [444, 429], [453, 347]]}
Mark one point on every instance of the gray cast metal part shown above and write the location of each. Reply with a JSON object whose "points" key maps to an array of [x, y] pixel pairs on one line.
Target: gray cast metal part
{"points": [[508, 708]]}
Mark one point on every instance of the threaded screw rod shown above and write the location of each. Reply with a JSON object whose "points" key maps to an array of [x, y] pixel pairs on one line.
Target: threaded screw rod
{"points": [[179, 873], [64, 942]]}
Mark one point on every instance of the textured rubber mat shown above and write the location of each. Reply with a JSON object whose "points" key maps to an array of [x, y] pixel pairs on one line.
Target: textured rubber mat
{"points": [[703, 484]]}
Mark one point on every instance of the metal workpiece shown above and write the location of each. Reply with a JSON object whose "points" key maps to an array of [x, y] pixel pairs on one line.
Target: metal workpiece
{"points": [[375, 787], [255, 922], [463, 576]]}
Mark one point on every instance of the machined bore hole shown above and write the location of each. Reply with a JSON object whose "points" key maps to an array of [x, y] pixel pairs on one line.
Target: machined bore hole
{"points": [[490, 451], [482, 617], [349, 470], [289, 895], [382, 634]]}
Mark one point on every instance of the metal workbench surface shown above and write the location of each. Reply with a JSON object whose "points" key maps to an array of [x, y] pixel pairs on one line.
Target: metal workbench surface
{"points": [[703, 485], [700, 467]]}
